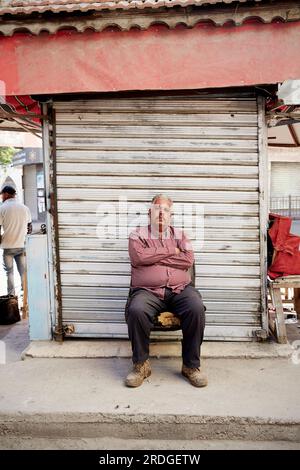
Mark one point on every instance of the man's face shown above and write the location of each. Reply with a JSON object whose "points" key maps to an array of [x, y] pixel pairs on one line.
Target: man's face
{"points": [[160, 213]]}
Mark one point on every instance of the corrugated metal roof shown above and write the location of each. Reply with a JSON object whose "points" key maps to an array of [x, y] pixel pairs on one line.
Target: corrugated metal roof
{"points": [[31, 6], [124, 20]]}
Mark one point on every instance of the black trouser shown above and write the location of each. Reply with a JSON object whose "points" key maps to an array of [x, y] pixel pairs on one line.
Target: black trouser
{"points": [[141, 308]]}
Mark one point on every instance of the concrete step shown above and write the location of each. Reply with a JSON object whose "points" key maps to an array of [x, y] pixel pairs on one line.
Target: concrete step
{"points": [[111, 443], [93, 348], [153, 426]]}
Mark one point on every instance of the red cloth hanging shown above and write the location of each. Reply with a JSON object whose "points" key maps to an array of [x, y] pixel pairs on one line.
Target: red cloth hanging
{"points": [[287, 259]]}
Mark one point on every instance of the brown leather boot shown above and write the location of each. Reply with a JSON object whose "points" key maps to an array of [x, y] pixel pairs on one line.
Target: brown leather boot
{"points": [[140, 371], [195, 376]]}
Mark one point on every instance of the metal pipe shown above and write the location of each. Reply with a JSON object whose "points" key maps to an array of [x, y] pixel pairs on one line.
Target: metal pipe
{"points": [[49, 230], [58, 331]]}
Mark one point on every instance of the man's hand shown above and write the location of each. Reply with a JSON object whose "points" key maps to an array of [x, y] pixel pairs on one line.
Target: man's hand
{"points": [[177, 250]]}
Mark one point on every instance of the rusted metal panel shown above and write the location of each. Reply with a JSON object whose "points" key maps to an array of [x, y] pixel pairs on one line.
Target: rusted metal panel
{"points": [[219, 15], [155, 182], [263, 208], [93, 194], [161, 118], [99, 160], [213, 332], [166, 104], [234, 245], [27, 7], [210, 208], [151, 169], [172, 59], [232, 259], [80, 292]]}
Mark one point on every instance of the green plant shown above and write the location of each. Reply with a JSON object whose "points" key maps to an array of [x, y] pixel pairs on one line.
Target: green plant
{"points": [[6, 154]]}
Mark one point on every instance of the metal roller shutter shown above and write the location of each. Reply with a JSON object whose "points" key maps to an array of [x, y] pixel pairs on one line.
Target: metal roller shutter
{"points": [[285, 179], [199, 148]]}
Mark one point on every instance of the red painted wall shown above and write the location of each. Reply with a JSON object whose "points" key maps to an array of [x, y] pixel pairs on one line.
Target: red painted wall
{"points": [[158, 59]]}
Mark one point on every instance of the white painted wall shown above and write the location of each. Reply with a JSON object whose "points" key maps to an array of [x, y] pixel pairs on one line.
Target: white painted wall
{"points": [[19, 139]]}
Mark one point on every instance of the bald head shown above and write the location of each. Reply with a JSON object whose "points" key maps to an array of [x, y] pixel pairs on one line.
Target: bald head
{"points": [[161, 197]]}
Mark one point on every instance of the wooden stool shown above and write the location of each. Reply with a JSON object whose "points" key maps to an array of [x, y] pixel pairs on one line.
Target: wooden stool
{"points": [[274, 286]]}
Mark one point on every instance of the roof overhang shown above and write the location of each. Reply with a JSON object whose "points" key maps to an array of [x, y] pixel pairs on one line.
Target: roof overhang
{"points": [[20, 113], [28, 7], [142, 18], [165, 49]]}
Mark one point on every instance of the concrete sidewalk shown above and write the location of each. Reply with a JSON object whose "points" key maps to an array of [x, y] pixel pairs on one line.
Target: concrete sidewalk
{"points": [[73, 396], [105, 348], [246, 400]]}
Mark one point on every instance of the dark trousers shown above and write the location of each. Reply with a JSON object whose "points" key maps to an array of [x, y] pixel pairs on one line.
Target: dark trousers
{"points": [[141, 308]]}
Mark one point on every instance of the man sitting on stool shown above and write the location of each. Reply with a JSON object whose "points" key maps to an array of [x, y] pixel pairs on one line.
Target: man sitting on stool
{"points": [[160, 280]]}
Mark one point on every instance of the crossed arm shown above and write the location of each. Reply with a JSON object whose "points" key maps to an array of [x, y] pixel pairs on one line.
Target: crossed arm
{"points": [[175, 257]]}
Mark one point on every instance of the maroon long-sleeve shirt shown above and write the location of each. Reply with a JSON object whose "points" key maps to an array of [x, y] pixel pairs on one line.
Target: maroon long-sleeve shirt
{"points": [[155, 264]]}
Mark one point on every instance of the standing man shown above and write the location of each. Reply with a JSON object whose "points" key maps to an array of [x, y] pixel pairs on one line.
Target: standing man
{"points": [[160, 281], [15, 222]]}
